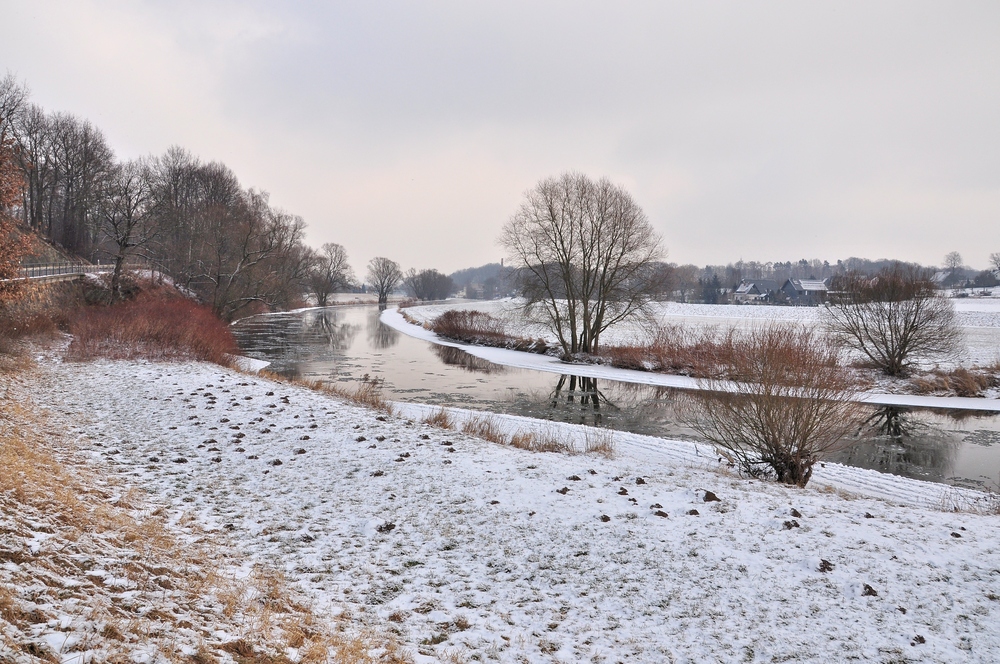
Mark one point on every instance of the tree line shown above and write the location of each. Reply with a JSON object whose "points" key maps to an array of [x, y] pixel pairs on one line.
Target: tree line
{"points": [[174, 213]]}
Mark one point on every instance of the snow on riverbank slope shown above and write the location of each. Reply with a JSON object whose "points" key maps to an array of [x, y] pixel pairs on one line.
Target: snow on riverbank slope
{"points": [[489, 553]]}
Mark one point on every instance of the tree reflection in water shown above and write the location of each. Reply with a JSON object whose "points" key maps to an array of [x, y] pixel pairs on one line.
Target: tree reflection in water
{"points": [[457, 357], [328, 325], [379, 335], [893, 440], [586, 391]]}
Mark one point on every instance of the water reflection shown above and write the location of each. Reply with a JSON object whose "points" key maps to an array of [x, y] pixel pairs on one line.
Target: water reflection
{"points": [[898, 441], [380, 335], [330, 326], [326, 344], [457, 357]]}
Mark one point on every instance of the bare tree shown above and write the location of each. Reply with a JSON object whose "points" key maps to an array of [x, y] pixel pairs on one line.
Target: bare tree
{"points": [[583, 251], [995, 260], [12, 244], [384, 276], [780, 403], [428, 285], [125, 219], [953, 261], [893, 318], [329, 272]]}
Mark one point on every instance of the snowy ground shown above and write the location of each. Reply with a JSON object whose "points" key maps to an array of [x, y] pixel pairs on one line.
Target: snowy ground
{"points": [[486, 553]]}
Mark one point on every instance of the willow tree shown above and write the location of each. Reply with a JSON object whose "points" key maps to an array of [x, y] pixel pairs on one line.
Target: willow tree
{"points": [[585, 257]]}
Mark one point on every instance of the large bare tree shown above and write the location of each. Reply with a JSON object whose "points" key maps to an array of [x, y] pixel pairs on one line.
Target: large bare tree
{"points": [[893, 318], [584, 255], [125, 218], [329, 272], [384, 276], [12, 243]]}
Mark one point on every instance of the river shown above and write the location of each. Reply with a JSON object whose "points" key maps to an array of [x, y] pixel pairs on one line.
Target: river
{"points": [[347, 343]]}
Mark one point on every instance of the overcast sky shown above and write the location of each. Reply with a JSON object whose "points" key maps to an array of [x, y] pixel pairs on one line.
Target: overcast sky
{"points": [[762, 131]]}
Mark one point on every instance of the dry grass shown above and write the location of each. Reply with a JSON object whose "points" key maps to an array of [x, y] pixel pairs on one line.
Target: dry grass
{"points": [[368, 391], [152, 328], [176, 586], [961, 382], [439, 418], [410, 319], [600, 442]]}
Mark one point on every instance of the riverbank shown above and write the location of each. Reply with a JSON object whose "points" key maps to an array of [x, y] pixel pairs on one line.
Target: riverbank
{"points": [[464, 550], [550, 364]]}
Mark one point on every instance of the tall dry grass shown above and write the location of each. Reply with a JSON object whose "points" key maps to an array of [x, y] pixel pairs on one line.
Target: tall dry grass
{"points": [[961, 381]]}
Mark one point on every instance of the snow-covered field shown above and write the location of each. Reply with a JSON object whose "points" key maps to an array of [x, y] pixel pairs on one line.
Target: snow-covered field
{"points": [[478, 552]]}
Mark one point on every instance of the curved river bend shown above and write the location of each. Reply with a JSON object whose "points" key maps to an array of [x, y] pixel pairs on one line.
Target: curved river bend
{"points": [[346, 343]]}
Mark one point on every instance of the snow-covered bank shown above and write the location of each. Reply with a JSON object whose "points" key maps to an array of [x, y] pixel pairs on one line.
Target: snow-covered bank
{"points": [[549, 364], [496, 554]]}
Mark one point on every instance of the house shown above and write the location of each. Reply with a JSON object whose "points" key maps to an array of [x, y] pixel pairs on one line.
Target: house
{"points": [[755, 290], [805, 291]]}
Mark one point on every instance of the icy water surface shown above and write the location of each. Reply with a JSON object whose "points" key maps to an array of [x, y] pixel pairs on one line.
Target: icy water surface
{"points": [[345, 344]]}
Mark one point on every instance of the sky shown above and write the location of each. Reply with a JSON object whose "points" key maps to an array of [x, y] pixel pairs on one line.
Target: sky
{"points": [[757, 131]]}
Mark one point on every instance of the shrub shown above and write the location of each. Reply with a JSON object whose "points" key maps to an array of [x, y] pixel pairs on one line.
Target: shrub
{"points": [[677, 350], [781, 402], [152, 328], [477, 327]]}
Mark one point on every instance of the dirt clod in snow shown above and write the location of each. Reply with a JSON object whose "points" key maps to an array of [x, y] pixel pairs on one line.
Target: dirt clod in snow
{"points": [[710, 497], [796, 513], [869, 591], [788, 525], [825, 566]]}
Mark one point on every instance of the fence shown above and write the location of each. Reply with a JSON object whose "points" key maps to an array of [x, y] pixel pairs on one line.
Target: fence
{"points": [[59, 269]]}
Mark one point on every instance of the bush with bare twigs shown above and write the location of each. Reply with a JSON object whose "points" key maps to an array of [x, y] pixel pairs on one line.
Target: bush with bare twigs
{"points": [[676, 349], [482, 329], [781, 403], [151, 328]]}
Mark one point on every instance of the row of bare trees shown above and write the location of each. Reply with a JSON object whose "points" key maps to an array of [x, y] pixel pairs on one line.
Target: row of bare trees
{"points": [[189, 219]]}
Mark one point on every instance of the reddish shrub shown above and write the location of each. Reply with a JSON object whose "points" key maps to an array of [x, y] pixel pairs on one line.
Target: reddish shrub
{"points": [[150, 328], [676, 350], [480, 328]]}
